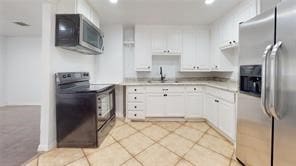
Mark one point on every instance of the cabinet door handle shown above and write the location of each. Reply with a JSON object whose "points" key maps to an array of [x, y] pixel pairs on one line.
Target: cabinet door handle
{"points": [[135, 98], [135, 90], [164, 51], [135, 114], [194, 67], [217, 101], [148, 67], [165, 95], [168, 51], [135, 106], [194, 88], [197, 67]]}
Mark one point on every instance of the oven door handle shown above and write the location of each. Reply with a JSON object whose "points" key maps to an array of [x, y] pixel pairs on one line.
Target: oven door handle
{"points": [[273, 81], [264, 77]]}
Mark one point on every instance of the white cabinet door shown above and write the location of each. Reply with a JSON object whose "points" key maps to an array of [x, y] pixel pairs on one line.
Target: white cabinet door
{"points": [[159, 40], [174, 106], [203, 50], [211, 109], [227, 118], [95, 18], [143, 54], [174, 41], [194, 105], [84, 8], [188, 58], [155, 105]]}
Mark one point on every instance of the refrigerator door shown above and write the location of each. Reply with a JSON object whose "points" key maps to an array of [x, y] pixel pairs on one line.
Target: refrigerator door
{"points": [[254, 126], [285, 105]]}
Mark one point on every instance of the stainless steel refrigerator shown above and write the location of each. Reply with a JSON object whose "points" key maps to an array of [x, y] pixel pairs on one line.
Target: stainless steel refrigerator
{"points": [[266, 126]]}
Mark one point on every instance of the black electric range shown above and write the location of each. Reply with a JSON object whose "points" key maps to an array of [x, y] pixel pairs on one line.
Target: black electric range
{"points": [[85, 112]]}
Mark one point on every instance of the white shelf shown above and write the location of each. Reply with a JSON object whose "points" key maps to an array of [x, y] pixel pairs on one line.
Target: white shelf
{"points": [[129, 42], [229, 45]]}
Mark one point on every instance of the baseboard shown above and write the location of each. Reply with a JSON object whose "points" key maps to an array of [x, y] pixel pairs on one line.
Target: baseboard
{"points": [[45, 148]]}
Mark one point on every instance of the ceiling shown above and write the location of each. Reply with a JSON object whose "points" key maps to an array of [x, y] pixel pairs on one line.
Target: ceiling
{"points": [[161, 11], [178, 12], [28, 11]]}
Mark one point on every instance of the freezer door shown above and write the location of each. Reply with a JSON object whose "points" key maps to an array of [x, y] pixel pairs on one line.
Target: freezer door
{"points": [[254, 127], [285, 101]]}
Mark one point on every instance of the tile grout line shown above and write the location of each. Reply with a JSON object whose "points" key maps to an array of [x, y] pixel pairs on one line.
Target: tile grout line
{"points": [[132, 156], [198, 143], [86, 157]]}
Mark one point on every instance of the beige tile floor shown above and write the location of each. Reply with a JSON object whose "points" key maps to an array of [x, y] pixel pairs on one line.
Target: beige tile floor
{"points": [[149, 144]]}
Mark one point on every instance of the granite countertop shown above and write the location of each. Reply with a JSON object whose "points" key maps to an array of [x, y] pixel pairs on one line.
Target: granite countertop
{"points": [[221, 84]]}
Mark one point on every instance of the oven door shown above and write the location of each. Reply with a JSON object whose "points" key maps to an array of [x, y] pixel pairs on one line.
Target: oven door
{"points": [[90, 36], [105, 107]]}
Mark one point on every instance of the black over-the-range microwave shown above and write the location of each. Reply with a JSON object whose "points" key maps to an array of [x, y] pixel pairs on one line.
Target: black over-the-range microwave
{"points": [[75, 32]]}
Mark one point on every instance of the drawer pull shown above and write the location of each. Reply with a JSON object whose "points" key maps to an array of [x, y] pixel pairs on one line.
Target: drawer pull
{"points": [[135, 114], [135, 90], [135, 106], [217, 101], [165, 95], [194, 88], [135, 98]]}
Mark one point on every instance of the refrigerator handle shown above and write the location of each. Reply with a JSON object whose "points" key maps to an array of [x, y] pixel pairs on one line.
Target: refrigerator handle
{"points": [[263, 89], [273, 81]]}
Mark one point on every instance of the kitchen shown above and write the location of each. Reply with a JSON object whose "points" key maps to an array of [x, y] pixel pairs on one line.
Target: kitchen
{"points": [[177, 78]]}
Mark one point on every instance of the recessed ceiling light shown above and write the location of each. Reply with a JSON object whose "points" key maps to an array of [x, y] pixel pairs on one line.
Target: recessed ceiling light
{"points": [[208, 2], [21, 24], [114, 1]]}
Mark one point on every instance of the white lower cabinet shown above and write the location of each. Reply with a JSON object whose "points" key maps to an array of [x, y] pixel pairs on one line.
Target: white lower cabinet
{"points": [[194, 105], [174, 105], [227, 118], [161, 102], [211, 109], [215, 105], [155, 105], [221, 114]]}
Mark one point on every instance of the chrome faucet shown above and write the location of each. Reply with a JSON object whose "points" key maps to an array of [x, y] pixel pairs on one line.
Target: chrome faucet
{"points": [[162, 76]]}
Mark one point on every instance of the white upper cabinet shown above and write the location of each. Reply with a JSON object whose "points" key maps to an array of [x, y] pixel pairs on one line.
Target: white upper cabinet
{"points": [[143, 54], [166, 40], [78, 7], [196, 51], [174, 41], [189, 56], [84, 8], [225, 36], [159, 40], [203, 49]]}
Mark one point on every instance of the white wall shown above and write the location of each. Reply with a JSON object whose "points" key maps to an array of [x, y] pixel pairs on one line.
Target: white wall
{"points": [[2, 53], [56, 60], [268, 4], [22, 71], [109, 65]]}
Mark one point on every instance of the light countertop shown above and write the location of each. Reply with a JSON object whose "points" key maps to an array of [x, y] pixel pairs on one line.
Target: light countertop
{"points": [[224, 85]]}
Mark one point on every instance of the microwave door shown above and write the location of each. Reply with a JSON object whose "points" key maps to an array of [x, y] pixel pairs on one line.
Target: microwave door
{"points": [[89, 37]]}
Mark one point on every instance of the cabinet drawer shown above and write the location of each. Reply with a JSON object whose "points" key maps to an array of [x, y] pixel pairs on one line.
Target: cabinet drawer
{"points": [[135, 107], [135, 97], [224, 95], [165, 89], [193, 89], [136, 89], [136, 115]]}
